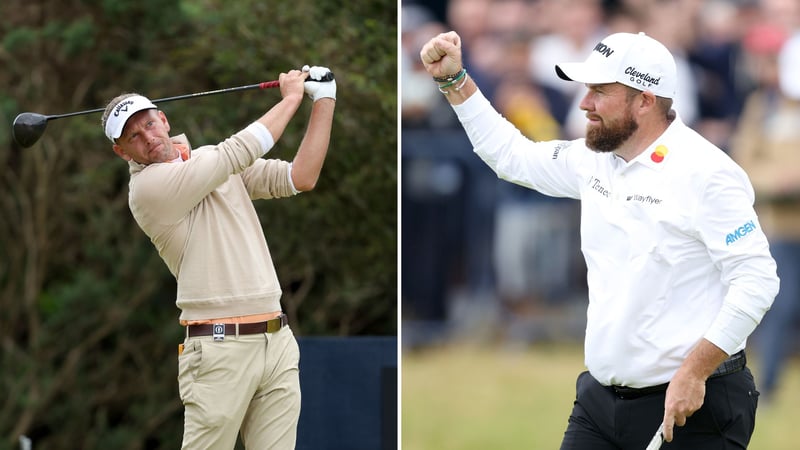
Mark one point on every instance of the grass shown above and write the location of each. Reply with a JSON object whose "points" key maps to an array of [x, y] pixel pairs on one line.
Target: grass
{"points": [[482, 397]]}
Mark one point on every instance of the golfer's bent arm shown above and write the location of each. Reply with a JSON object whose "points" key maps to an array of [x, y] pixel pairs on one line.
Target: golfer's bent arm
{"points": [[308, 161]]}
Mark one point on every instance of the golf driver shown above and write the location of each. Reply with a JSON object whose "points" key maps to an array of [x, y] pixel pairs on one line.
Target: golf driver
{"points": [[28, 127]]}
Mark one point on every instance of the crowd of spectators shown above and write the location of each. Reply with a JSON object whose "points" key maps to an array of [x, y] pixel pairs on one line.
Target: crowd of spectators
{"points": [[512, 46]]}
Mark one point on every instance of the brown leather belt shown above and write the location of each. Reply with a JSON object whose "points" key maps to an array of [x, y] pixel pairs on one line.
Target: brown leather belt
{"points": [[220, 330]]}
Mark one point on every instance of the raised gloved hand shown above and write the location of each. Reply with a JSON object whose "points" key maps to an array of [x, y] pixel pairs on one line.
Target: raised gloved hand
{"points": [[320, 83]]}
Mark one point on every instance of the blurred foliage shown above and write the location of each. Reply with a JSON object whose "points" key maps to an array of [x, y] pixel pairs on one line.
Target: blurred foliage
{"points": [[88, 323]]}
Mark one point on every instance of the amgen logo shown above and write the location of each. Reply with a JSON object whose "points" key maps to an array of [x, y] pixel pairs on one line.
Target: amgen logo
{"points": [[740, 232]]}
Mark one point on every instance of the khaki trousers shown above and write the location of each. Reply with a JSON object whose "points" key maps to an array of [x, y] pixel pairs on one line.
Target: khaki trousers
{"points": [[247, 382]]}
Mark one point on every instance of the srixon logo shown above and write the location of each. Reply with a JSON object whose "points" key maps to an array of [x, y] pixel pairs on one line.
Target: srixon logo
{"points": [[740, 232], [603, 49]]}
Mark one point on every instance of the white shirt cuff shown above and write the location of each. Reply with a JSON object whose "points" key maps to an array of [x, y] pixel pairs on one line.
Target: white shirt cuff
{"points": [[263, 135], [730, 329], [291, 183]]}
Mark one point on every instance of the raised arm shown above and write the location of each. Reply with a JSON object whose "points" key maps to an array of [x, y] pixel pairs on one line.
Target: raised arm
{"points": [[441, 57], [276, 119], [307, 163]]}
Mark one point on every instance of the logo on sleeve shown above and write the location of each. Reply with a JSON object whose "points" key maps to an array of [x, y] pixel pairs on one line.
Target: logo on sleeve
{"points": [[740, 232], [560, 146]]}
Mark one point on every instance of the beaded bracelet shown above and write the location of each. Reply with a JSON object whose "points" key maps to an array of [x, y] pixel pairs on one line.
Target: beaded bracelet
{"points": [[457, 88], [450, 78]]}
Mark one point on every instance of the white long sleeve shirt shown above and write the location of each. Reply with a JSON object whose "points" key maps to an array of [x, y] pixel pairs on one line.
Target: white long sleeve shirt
{"points": [[673, 247]]}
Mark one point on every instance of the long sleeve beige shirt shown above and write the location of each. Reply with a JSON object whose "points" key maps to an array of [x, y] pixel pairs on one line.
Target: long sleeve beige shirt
{"points": [[199, 215]]}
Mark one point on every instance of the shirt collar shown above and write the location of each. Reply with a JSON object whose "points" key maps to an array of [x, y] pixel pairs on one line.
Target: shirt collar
{"points": [[181, 142], [184, 153]]}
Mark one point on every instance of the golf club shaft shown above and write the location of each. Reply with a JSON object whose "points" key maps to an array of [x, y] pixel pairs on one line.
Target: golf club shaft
{"points": [[263, 85]]}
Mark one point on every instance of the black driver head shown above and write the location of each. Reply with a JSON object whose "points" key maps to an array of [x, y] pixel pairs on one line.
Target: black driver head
{"points": [[28, 128]]}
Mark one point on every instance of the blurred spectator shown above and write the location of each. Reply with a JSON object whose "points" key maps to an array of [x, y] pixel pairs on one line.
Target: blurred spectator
{"points": [[470, 19], [766, 144], [447, 221], [678, 34], [421, 103], [573, 28], [717, 56], [534, 243], [782, 14], [523, 103]]}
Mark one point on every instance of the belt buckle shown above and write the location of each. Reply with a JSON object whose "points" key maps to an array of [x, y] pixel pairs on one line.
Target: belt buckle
{"points": [[275, 325], [218, 331]]}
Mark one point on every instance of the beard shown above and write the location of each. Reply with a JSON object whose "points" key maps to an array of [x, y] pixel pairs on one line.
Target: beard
{"points": [[607, 138]]}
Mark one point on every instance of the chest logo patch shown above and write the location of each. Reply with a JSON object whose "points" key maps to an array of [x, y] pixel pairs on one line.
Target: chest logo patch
{"points": [[659, 153]]}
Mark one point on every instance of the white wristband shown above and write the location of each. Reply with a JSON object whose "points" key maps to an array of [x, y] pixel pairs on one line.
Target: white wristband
{"points": [[263, 135]]}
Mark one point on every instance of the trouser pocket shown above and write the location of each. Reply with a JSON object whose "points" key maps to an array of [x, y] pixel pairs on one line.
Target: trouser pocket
{"points": [[188, 365]]}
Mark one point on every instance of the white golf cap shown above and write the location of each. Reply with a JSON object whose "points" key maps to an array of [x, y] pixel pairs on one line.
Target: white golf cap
{"points": [[635, 60], [122, 112]]}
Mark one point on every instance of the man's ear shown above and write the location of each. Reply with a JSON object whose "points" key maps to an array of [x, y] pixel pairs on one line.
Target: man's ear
{"points": [[163, 118], [648, 99], [121, 153]]}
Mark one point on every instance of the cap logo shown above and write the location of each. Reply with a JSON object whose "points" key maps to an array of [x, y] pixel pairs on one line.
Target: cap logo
{"points": [[643, 79], [603, 49], [122, 107]]}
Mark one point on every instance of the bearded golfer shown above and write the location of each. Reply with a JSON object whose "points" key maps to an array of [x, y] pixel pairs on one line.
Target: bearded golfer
{"points": [[679, 270], [238, 366]]}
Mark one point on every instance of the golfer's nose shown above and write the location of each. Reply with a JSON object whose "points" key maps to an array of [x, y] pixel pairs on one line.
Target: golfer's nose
{"points": [[586, 102], [150, 138]]}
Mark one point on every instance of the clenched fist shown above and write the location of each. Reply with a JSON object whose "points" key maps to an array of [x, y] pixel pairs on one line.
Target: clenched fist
{"points": [[441, 56]]}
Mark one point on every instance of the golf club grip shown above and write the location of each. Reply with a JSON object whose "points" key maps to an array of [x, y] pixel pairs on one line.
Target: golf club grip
{"points": [[658, 439], [272, 84]]}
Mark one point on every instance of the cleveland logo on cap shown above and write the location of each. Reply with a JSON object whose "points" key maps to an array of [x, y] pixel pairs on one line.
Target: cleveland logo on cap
{"points": [[122, 106], [641, 78]]}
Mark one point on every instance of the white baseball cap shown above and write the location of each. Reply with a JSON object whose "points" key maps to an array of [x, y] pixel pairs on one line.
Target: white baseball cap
{"points": [[635, 60], [123, 111]]}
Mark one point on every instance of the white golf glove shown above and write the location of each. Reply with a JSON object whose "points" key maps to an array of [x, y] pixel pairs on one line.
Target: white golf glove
{"points": [[317, 89]]}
